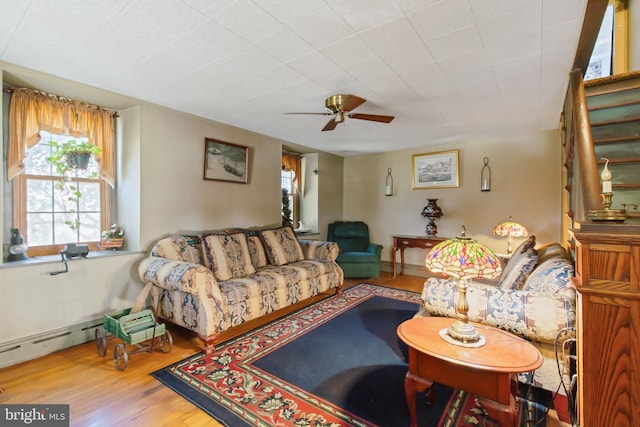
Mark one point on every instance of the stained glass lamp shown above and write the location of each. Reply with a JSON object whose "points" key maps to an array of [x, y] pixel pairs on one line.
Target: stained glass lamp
{"points": [[510, 229], [463, 258]]}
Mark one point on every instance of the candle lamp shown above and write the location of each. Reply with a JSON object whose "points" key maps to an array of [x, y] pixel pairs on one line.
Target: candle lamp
{"points": [[605, 176], [607, 214]]}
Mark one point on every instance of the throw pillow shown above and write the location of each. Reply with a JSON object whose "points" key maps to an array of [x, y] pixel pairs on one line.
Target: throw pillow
{"points": [[551, 250], [227, 256], [256, 249], [551, 276], [282, 245], [179, 248], [520, 265]]}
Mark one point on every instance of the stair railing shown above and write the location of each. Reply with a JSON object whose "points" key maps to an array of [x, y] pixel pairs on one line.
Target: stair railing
{"points": [[585, 190]]}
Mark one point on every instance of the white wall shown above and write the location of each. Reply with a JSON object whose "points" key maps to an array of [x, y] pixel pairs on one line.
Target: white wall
{"points": [[174, 196], [330, 184], [525, 183]]}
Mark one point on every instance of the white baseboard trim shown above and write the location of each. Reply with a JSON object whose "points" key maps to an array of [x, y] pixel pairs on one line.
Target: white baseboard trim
{"points": [[409, 269], [34, 346]]}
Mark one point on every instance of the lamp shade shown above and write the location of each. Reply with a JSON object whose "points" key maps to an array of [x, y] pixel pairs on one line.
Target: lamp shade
{"points": [[510, 228], [463, 257]]}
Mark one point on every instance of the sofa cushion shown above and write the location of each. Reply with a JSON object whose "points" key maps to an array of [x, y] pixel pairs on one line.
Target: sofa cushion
{"points": [[227, 256], [520, 265], [551, 276], [282, 245]]}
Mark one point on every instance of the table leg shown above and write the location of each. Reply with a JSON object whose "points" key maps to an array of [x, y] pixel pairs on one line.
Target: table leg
{"points": [[402, 260], [412, 384], [410, 395], [505, 415], [395, 249]]}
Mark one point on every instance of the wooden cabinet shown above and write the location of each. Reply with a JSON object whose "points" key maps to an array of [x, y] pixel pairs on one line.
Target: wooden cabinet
{"points": [[608, 324]]}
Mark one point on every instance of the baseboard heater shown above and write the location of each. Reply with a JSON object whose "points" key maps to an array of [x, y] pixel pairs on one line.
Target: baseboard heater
{"points": [[34, 346]]}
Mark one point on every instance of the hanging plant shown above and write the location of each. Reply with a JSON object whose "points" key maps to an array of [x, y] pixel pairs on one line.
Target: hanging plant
{"points": [[72, 155], [66, 158]]}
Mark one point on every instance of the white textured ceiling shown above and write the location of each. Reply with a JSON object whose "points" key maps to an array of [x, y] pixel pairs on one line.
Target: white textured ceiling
{"points": [[447, 70]]}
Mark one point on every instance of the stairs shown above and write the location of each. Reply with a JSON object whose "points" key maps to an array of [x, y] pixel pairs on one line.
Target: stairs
{"points": [[614, 113]]}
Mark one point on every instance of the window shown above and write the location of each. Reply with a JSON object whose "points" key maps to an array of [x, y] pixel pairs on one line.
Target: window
{"points": [[39, 210], [290, 182], [601, 57], [610, 55], [288, 185], [44, 213]]}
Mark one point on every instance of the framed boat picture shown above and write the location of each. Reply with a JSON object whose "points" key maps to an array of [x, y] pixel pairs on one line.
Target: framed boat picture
{"points": [[224, 161]]}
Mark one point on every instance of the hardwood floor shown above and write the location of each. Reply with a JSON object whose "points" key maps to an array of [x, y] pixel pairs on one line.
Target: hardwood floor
{"points": [[100, 395]]}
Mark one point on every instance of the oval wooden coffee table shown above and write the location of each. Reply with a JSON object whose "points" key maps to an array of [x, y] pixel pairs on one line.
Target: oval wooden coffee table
{"points": [[488, 372]]}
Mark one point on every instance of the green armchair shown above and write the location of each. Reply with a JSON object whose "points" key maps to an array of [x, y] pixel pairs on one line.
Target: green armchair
{"points": [[358, 256]]}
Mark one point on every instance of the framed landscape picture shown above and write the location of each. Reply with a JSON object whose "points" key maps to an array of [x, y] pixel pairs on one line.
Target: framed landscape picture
{"points": [[224, 161], [435, 170]]}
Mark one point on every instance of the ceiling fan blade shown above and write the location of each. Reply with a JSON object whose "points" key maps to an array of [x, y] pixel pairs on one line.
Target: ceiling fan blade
{"points": [[319, 114], [351, 102], [371, 117], [331, 125]]}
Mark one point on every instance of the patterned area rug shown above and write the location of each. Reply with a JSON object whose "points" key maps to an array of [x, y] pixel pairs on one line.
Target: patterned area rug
{"points": [[338, 362]]}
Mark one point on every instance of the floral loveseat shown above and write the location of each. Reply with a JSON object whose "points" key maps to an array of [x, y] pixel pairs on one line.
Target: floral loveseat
{"points": [[534, 298], [211, 282]]}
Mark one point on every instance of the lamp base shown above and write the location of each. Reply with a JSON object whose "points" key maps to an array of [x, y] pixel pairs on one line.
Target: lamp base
{"points": [[17, 257], [462, 334]]}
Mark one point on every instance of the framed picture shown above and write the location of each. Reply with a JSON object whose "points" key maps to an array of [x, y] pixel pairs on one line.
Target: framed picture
{"points": [[224, 161], [435, 170]]}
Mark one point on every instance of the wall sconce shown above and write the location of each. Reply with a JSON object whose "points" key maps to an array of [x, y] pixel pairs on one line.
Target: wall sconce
{"points": [[485, 176], [388, 188]]}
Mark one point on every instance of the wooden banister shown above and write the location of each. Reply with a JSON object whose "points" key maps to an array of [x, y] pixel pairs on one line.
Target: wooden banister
{"points": [[586, 155]]}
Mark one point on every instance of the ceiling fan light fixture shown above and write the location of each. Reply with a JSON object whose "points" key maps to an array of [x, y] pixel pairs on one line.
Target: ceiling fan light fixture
{"points": [[341, 106]]}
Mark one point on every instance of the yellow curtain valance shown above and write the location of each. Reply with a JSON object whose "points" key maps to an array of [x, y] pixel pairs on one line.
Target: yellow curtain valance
{"points": [[31, 111]]}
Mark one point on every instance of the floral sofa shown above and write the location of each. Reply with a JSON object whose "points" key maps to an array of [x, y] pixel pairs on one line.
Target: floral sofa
{"points": [[534, 298], [213, 281]]}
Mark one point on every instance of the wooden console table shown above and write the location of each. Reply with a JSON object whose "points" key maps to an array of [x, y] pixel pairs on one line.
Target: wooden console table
{"points": [[403, 241]]}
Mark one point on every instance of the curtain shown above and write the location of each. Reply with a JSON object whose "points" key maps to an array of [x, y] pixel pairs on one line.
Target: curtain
{"points": [[31, 111], [292, 162]]}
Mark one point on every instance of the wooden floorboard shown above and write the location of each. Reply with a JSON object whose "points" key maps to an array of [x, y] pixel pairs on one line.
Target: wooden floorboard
{"points": [[100, 395]]}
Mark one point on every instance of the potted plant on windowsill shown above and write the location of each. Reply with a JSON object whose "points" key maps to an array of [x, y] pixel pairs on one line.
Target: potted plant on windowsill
{"points": [[113, 238], [66, 158]]}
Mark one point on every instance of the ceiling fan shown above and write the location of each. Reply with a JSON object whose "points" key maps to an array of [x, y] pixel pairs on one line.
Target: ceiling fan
{"points": [[341, 106]]}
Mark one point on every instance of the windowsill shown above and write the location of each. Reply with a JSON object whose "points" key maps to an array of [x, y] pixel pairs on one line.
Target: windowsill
{"points": [[51, 259], [306, 234]]}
